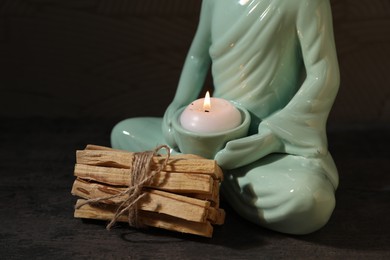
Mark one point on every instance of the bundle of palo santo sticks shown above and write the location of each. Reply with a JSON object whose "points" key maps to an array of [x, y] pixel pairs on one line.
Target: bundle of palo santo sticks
{"points": [[182, 196]]}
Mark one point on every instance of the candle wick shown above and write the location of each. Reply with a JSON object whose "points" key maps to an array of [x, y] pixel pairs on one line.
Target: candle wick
{"points": [[206, 111]]}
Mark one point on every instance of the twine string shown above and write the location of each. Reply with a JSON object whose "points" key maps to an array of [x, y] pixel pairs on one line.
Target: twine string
{"points": [[141, 175]]}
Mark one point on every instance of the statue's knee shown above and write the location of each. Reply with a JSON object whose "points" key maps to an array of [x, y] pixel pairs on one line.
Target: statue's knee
{"points": [[119, 133], [309, 209], [137, 134], [127, 134], [116, 135]]}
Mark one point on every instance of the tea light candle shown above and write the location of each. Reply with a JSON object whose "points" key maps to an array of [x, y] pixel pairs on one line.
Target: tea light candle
{"points": [[210, 115]]}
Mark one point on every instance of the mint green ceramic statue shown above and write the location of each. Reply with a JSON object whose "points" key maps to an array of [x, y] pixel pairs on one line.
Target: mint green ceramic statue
{"points": [[277, 59]]}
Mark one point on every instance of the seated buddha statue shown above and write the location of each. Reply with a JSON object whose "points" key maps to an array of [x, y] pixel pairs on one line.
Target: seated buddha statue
{"points": [[277, 59]]}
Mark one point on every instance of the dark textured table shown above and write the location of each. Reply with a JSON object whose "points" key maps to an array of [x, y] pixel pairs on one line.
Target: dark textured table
{"points": [[36, 207]]}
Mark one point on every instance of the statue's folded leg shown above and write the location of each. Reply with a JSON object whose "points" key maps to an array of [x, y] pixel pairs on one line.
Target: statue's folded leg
{"points": [[137, 134], [286, 193]]}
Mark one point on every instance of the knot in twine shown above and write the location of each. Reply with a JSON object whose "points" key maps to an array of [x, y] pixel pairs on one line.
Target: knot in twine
{"points": [[141, 175]]}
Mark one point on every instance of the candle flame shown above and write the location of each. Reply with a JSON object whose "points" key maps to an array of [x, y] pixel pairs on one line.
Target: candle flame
{"points": [[207, 102]]}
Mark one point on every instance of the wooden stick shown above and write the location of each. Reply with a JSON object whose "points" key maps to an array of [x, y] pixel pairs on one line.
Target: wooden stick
{"points": [[119, 159], [177, 156], [147, 218], [171, 181], [213, 197], [90, 190], [170, 223], [179, 206]]}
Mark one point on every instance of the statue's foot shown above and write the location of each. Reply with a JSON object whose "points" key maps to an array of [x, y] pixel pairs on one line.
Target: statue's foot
{"points": [[286, 193]]}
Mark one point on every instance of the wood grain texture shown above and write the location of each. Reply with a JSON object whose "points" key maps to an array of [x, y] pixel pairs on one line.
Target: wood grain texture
{"points": [[102, 58]]}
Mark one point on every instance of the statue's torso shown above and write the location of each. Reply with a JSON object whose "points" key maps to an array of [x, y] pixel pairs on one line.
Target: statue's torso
{"points": [[255, 54]]}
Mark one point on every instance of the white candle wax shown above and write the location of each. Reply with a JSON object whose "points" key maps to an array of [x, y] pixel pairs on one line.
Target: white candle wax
{"points": [[220, 115]]}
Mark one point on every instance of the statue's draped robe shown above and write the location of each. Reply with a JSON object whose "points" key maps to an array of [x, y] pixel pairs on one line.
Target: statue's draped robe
{"points": [[277, 59]]}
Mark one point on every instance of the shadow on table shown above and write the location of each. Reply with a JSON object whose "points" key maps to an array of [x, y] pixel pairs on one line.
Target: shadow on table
{"points": [[359, 223]]}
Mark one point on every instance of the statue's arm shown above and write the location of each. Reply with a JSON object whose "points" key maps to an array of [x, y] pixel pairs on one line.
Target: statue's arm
{"points": [[194, 71], [302, 123], [298, 128]]}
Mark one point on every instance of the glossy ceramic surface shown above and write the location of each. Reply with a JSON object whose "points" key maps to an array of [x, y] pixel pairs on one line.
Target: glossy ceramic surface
{"points": [[277, 59]]}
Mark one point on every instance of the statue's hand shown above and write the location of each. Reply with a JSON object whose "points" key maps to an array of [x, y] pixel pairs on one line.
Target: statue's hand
{"points": [[246, 150]]}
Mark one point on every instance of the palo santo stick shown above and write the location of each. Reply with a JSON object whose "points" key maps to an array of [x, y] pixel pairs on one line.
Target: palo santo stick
{"points": [[90, 190], [120, 159], [99, 147], [157, 201], [176, 224], [171, 181], [176, 156], [213, 197], [87, 188], [178, 206], [147, 218]]}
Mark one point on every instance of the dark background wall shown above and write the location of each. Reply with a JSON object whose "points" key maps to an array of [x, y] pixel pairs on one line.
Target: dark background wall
{"points": [[121, 58]]}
